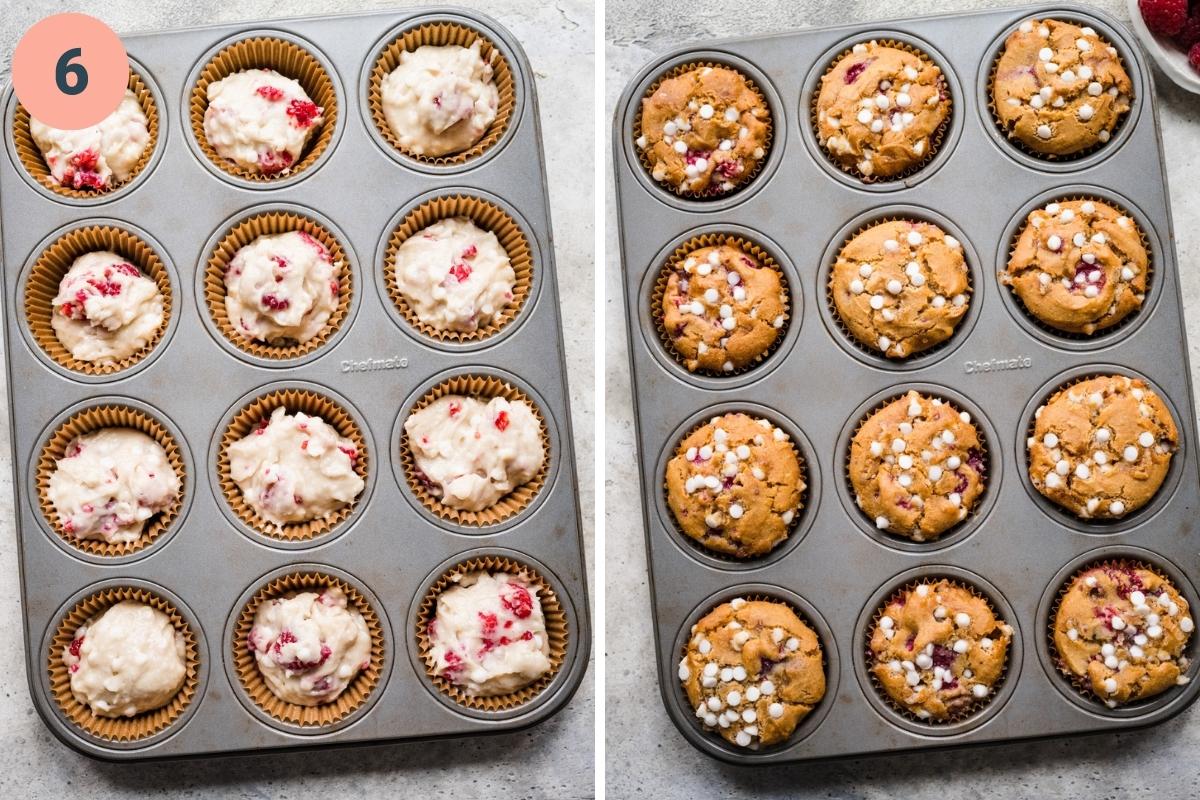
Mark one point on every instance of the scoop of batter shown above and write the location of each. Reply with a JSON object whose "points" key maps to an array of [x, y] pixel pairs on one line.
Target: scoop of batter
{"points": [[98, 157], [281, 288], [126, 660], [440, 100], [260, 120], [309, 646], [471, 453], [106, 309], [455, 275], [109, 483], [489, 635], [295, 468]]}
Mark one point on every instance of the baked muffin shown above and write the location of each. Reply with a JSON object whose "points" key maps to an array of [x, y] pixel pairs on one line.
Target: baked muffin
{"points": [[900, 287], [917, 466], [939, 651], [488, 636], [735, 485], [704, 131], [722, 308], [260, 120], [1101, 448], [1121, 631], [752, 670], [880, 110], [126, 660], [98, 158], [106, 309], [1059, 89], [1079, 266]]}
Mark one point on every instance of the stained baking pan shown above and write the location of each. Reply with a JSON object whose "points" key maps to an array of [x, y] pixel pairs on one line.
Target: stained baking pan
{"points": [[836, 568]]}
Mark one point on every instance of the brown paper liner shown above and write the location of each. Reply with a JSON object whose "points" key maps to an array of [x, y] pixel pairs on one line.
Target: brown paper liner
{"points": [[674, 72], [849, 335], [288, 59], [674, 262], [441, 34], [983, 446], [1116, 326], [556, 632], [481, 387], [248, 418], [1080, 683], [90, 420], [31, 157], [1017, 143], [804, 493], [487, 216], [120, 729], [976, 705], [246, 232], [935, 141], [246, 666], [41, 287]]}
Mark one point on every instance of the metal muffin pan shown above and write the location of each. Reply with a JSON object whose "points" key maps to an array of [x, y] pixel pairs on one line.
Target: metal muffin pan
{"points": [[389, 547], [998, 365]]}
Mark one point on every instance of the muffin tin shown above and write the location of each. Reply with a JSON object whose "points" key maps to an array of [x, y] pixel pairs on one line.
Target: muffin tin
{"points": [[208, 563], [836, 569]]}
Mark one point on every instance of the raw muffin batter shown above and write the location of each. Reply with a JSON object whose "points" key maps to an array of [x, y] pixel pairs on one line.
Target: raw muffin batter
{"points": [[106, 309], [723, 309], [879, 110], [1059, 88], [260, 120], [939, 650], [455, 275], [901, 287], [281, 288], [126, 660], [109, 483], [917, 466], [735, 485], [309, 646], [295, 468], [489, 635], [1121, 630], [1101, 448], [705, 131], [471, 453], [752, 670], [100, 157], [1079, 266], [440, 100]]}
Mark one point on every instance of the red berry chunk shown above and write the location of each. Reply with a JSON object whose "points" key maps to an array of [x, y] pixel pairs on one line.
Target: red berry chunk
{"points": [[854, 71], [516, 598], [313, 243], [271, 162], [275, 303], [351, 453], [470, 252], [1088, 275], [1164, 17], [453, 661], [1194, 56], [126, 268], [460, 271], [303, 113], [270, 93], [75, 645], [502, 421], [488, 622], [455, 409]]}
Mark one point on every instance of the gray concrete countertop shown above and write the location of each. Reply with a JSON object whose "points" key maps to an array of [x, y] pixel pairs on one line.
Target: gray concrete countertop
{"points": [[551, 760], [645, 755]]}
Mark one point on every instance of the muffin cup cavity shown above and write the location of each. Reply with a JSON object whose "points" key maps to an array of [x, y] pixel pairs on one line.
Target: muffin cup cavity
{"points": [[441, 34], [243, 423], [487, 216], [674, 262], [244, 232], [31, 157], [288, 59], [482, 387], [120, 730], [556, 631], [768, 141], [41, 287], [89, 420], [359, 691]]}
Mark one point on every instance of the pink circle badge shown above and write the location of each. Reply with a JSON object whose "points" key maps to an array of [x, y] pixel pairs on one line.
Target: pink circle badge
{"points": [[70, 71]]}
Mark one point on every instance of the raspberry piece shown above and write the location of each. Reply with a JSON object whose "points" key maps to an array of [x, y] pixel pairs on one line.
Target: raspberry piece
{"points": [[502, 421], [303, 112], [526, 636], [316, 245], [127, 269], [943, 656], [1189, 34], [1194, 56], [75, 645], [488, 621], [272, 162], [270, 93], [455, 409], [297, 499], [334, 288], [1164, 17], [262, 426], [729, 169], [280, 262], [453, 662], [1088, 275], [975, 461], [350, 452], [460, 272], [516, 598], [855, 71], [275, 303], [470, 252]]}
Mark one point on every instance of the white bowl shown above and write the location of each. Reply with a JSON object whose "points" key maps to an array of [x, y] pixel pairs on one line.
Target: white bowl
{"points": [[1170, 59]]}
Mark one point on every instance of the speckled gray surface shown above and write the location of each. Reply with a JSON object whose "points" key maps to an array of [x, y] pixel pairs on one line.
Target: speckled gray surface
{"points": [[553, 760], [645, 755]]}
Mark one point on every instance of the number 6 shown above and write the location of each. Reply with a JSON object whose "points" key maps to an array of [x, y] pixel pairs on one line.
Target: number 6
{"points": [[64, 69]]}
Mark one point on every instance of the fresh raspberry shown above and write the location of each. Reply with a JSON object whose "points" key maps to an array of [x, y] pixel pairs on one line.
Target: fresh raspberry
{"points": [[516, 598], [270, 93], [262, 426], [470, 252], [453, 661], [280, 262], [106, 288], [1189, 34], [303, 112], [275, 303], [271, 162], [316, 245], [351, 453], [1164, 17], [502, 421], [127, 269], [334, 288], [75, 645], [1194, 56], [729, 169], [526, 636], [455, 409], [488, 621], [460, 271]]}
